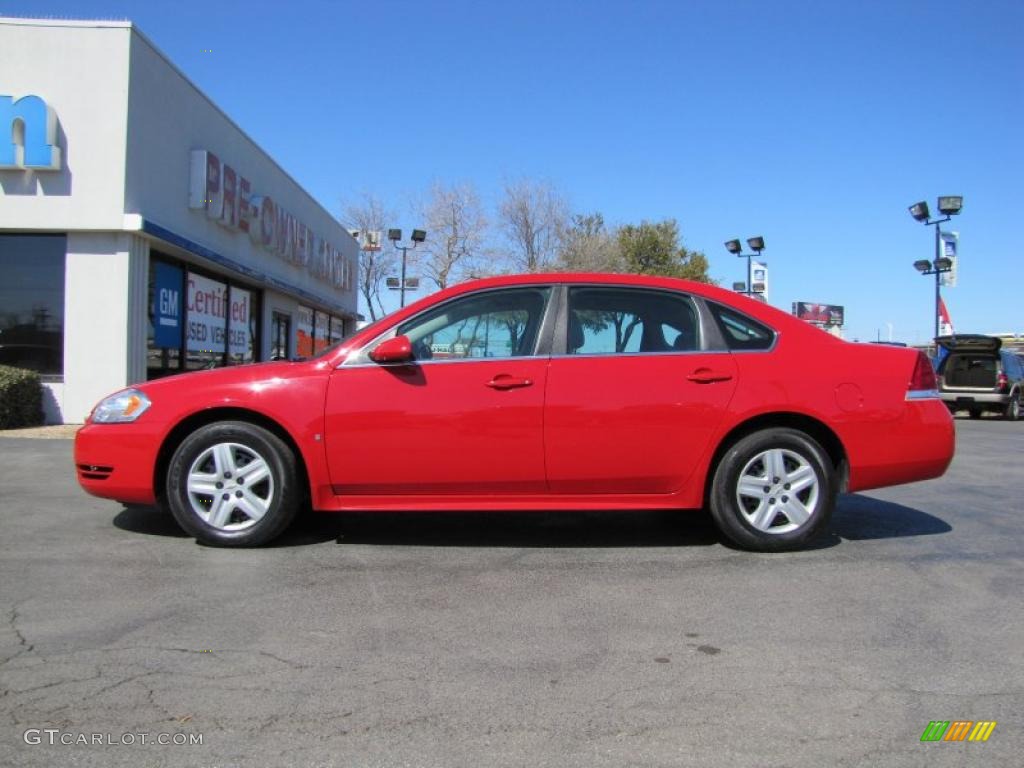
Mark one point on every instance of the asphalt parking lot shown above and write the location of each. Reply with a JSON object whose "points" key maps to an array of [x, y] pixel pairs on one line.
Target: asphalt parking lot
{"points": [[520, 640]]}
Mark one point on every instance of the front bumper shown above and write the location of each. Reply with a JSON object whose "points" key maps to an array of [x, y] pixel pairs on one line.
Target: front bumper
{"points": [[117, 461]]}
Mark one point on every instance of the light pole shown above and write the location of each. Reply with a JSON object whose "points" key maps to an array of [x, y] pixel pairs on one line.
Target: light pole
{"points": [[756, 244], [949, 206], [417, 237]]}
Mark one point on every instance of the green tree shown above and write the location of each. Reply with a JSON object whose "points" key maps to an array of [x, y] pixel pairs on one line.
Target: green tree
{"points": [[653, 248], [588, 246]]}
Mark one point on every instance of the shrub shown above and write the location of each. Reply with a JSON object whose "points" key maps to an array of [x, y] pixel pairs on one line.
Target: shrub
{"points": [[21, 398]]}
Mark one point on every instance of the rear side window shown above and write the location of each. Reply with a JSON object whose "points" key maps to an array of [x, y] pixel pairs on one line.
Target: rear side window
{"points": [[608, 321], [740, 331]]}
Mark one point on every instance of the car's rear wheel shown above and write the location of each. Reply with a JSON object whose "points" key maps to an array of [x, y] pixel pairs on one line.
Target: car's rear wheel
{"points": [[1012, 410], [773, 490], [233, 484]]}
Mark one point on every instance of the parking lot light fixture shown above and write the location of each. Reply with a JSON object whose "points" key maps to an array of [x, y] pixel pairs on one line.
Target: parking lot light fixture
{"points": [[756, 244], [920, 211], [949, 206], [418, 236]]}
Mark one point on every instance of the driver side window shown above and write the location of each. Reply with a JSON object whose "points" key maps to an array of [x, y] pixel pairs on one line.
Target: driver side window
{"points": [[493, 324]]}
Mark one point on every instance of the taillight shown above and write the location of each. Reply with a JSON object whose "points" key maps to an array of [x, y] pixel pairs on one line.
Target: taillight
{"points": [[923, 378], [1002, 381]]}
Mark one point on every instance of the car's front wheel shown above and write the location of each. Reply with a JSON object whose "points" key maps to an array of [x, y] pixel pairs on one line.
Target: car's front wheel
{"points": [[233, 484], [773, 490]]}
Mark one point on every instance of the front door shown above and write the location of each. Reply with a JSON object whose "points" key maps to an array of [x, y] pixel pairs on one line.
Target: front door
{"points": [[466, 417]]}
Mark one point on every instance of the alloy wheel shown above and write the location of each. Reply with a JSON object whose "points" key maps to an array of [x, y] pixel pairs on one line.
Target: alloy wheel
{"points": [[778, 491], [230, 486]]}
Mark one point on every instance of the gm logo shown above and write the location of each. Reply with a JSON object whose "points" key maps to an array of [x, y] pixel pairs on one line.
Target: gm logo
{"points": [[28, 134], [958, 730]]}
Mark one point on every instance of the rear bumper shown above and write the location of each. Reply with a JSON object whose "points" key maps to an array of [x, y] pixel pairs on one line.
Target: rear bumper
{"points": [[972, 399], [116, 461], [917, 446]]}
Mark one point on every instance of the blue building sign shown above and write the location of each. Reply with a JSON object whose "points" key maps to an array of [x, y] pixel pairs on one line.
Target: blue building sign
{"points": [[28, 134], [166, 305]]}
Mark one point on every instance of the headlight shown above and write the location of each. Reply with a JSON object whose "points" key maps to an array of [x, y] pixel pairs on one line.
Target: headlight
{"points": [[120, 407]]}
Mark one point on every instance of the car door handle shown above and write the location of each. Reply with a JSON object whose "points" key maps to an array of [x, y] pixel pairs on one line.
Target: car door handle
{"points": [[708, 376], [504, 381]]}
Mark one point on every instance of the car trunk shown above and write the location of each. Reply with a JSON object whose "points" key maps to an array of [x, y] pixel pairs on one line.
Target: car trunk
{"points": [[970, 370]]}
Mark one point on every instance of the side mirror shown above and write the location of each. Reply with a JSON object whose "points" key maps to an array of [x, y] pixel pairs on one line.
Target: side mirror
{"points": [[394, 350]]}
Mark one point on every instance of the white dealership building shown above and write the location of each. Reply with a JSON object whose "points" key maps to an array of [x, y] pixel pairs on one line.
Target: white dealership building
{"points": [[142, 232]]}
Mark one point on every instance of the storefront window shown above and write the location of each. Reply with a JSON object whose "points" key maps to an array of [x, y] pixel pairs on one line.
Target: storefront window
{"points": [[280, 336], [337, 329], [322, 332], [305, 332], [206, 331], [243, 326], [32, 302]]}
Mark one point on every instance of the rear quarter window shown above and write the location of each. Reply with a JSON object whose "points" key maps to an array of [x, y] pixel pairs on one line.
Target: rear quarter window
{"points": [[741, 332]]}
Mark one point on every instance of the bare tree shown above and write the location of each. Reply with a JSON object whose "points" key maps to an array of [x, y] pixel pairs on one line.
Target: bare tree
{"points": [[370, 217], [456, 228], [532, 216], [588, 246]]}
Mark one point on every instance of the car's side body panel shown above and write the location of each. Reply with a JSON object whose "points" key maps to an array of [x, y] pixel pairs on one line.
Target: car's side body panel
{"points": [[589, 433]]}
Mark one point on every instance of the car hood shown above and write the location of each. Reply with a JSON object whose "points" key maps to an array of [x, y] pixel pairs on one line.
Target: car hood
{"points": [[234, 374]]}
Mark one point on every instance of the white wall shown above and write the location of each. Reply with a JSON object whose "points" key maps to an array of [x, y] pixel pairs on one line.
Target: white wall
{"points": [[81, 71], [104, 318]]}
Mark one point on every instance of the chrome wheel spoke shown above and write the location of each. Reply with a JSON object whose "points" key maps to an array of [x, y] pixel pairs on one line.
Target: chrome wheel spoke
{"points": [[801, 479], [752, 487], [252, 505], [764, 515], [220, 512], [796, 512], [224, 458], [202, 483], [254, 472]]}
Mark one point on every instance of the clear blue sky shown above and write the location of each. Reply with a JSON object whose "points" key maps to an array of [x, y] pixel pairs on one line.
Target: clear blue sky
{"points": [[812, 123]]}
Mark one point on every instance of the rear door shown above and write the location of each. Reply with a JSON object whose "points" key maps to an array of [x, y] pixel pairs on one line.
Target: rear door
{"points": [[633, 394]]}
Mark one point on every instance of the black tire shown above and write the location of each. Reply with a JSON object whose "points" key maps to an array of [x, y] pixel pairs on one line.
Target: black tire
{"points": [[1012, 410], [974, 413], [279, 491], [797, 450]]}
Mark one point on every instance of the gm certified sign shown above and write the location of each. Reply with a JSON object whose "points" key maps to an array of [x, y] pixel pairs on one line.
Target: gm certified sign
{"points": [[33, 125]]}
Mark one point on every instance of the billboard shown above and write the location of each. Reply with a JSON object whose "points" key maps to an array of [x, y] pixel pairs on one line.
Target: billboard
{"points": [[819, 314]]}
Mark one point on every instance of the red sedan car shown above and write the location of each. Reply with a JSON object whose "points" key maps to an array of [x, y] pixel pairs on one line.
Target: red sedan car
{"points": [[567, 391]]}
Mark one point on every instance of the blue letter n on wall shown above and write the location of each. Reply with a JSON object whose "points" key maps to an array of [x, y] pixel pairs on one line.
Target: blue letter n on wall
{"points": [[28, 134]]}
